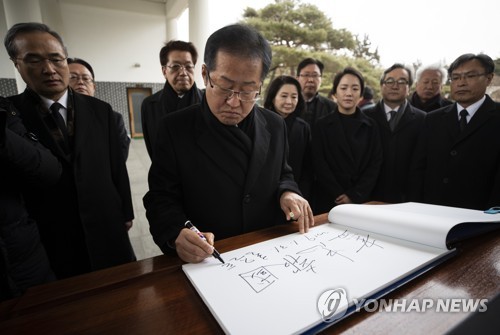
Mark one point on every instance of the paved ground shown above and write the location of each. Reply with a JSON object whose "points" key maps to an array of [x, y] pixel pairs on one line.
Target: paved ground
{"points": [[138, 166]]}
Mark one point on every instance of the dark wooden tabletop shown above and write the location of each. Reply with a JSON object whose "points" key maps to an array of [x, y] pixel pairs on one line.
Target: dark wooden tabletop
{"points": [[153, 296]]}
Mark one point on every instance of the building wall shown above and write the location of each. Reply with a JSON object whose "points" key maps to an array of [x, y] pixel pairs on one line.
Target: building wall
{"points": [[121, 45]]}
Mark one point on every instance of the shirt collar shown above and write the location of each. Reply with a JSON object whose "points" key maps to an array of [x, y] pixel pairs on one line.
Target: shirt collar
{"points": [[472, 109], [63, 101]]}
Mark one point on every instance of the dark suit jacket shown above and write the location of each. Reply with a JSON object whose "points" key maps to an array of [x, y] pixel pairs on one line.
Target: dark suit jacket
{"points": [[191, 179], [460, 169], [322, 107], [82, 219], [435, 103], [344, 166], [158, 105], [398, 148]]}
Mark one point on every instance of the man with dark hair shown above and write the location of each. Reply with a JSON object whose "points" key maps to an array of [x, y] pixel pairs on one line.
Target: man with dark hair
{"points": [[83, 219], [222, 164], [457, 158], [178, 60], [367, 102], [309, 72], [399, 126], [82, 80]]}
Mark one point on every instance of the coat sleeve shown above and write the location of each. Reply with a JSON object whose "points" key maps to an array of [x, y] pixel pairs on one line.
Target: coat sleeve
{"points": [[119, 168], [163, 201], [22, 152], [122, 134], [287, 181]]}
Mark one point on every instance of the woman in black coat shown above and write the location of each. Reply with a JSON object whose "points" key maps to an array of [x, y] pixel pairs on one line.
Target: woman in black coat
{"points": [[24, 163], [347, 153], [284, 97]]}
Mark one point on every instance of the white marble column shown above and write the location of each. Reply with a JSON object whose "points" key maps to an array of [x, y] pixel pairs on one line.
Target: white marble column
{"points": [[199, 31]]}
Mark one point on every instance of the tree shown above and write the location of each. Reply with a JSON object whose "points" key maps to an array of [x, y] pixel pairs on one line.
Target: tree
{"points": [[298, 30]]}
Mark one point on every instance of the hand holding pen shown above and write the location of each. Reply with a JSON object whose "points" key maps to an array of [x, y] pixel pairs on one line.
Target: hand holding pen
{"points": [[190, 254]]}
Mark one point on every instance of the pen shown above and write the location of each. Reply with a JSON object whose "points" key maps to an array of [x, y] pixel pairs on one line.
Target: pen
{"points": [[189, 225]]}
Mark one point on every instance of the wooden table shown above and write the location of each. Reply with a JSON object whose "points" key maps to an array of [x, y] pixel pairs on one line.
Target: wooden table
{"points": [[153, 296]]}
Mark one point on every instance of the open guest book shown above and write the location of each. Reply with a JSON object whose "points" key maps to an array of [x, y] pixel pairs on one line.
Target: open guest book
{"points": [[279, 286]]}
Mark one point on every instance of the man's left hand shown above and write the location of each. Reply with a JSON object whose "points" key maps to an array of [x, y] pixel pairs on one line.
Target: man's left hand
{"points": [[297, 209]]}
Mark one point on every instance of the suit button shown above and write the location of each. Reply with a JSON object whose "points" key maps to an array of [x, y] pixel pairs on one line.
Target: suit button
{"points": [[247, 198], [454, 153], [446, 180]]}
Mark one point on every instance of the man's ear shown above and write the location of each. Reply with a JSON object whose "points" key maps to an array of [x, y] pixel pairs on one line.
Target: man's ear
{"points": [[15, 62], [204, 74]]}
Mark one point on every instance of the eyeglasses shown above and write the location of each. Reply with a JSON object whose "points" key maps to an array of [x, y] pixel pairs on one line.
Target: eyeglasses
{"points": [[178, 67], [392, 81], [84, 78], [310, 75], [467, 76], [37, 62], [243, 96]]}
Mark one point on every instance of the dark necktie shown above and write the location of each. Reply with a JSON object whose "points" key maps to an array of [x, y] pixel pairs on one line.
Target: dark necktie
{"points": [[54, 108], [463, 119], [392, 120]]}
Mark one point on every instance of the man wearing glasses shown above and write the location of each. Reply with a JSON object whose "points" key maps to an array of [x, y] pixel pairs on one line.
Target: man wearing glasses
{"points": [[458, 155], [309, 72], [399, 126], [222, 164], [178, 60], [82, 80], [83, 218]]}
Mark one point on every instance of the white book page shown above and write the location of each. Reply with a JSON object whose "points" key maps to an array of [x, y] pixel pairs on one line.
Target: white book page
{"points": [[273, 287], [416, 222]]}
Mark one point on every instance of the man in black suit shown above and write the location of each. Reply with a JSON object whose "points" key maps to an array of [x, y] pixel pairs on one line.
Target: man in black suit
{"points": [[458, 154], [223, 163], [309, 72], [178, 60], [83, 219], [399, 125], [82, 80]]}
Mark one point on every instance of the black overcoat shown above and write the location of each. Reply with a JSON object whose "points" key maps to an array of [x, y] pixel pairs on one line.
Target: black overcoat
{"points": [[460, 169], [82, 218], [191, 179], [342, 166], [398, 147]]}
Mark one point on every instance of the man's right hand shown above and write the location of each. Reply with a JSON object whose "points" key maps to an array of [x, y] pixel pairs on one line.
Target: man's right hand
{"points": [[191, 248]]}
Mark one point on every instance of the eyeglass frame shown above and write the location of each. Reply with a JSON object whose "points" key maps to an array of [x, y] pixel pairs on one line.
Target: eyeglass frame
{"points": [[232, 92], [83, 78], [466, 76], [399, 82], [187, 67], [38, 61], [310, 75]]}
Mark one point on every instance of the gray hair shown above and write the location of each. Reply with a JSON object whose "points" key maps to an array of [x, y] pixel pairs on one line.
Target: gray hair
{"points": [[433, 67]]}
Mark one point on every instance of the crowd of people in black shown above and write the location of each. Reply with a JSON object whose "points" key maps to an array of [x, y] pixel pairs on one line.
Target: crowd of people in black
{"points": [[219, 159]]}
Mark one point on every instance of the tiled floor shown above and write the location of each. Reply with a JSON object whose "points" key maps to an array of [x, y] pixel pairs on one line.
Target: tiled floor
{"points": [[138, 166]]}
